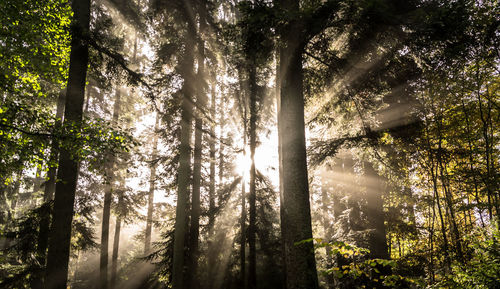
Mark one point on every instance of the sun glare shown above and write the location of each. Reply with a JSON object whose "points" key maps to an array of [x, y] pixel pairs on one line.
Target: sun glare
{"points": [[243, 163], [266, 159]]}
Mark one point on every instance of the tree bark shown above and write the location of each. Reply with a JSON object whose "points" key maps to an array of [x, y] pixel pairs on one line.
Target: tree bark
{"points": [[48, 195], [375, 213], [106, 209], [434, 175], [184, 171], [151, 193], [325, 191], [280, 159], [252, 230], [211, 188], [60, 231], [243, 221], [222, 123], [198, 148], [471, 164], [116, 243], [194, 230], [299, 258]]}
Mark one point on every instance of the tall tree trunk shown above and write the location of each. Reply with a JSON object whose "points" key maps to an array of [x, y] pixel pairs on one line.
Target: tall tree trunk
{"points": [[471, 163], [211, 187], [252, 229], [222, 123], [447, 195], [184, 171], [198, 148], [493, 170], [488, 179], [106, 209], [280, 159], [116, 243], [431, 240], [106, 212], [194, 230], [438, 203], [299, 258], [348, 189], [151, 193], [326, 219], [375, 213], [48, 195], [449, 203], [195, 198], [243, 240], [60, 231]]}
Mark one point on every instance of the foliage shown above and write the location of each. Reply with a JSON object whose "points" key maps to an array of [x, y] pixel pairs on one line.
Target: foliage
{"points": [[359, 271], [34, 55], [482, 270]]}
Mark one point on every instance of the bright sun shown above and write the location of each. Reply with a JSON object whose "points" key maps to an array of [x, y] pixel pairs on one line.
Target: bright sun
{"points": [[266, 159], [243, 163]]}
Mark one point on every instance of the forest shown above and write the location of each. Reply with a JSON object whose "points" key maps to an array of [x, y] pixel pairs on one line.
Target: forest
{"points": [[257, 144]]}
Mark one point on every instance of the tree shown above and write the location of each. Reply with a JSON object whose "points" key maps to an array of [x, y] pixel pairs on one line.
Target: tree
{"points": [[299, 259], [106, 209], [60, 230], [152, 179], [201, 99], [48, 195], [184, 171]]}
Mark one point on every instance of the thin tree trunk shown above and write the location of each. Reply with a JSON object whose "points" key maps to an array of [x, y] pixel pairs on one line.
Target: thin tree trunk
{"points": [[489, 178], [252, 257], [243, 280], [211, 188], [106, 209], [431, 241], [243, 239], [488, 181], [493, 170], [60, 231], [443, 226], [195, 204], [48, 195], [299, 258], [116, 243], [222, 123], [151, 193], [471, 164], [448, 197], [325, 185]]}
